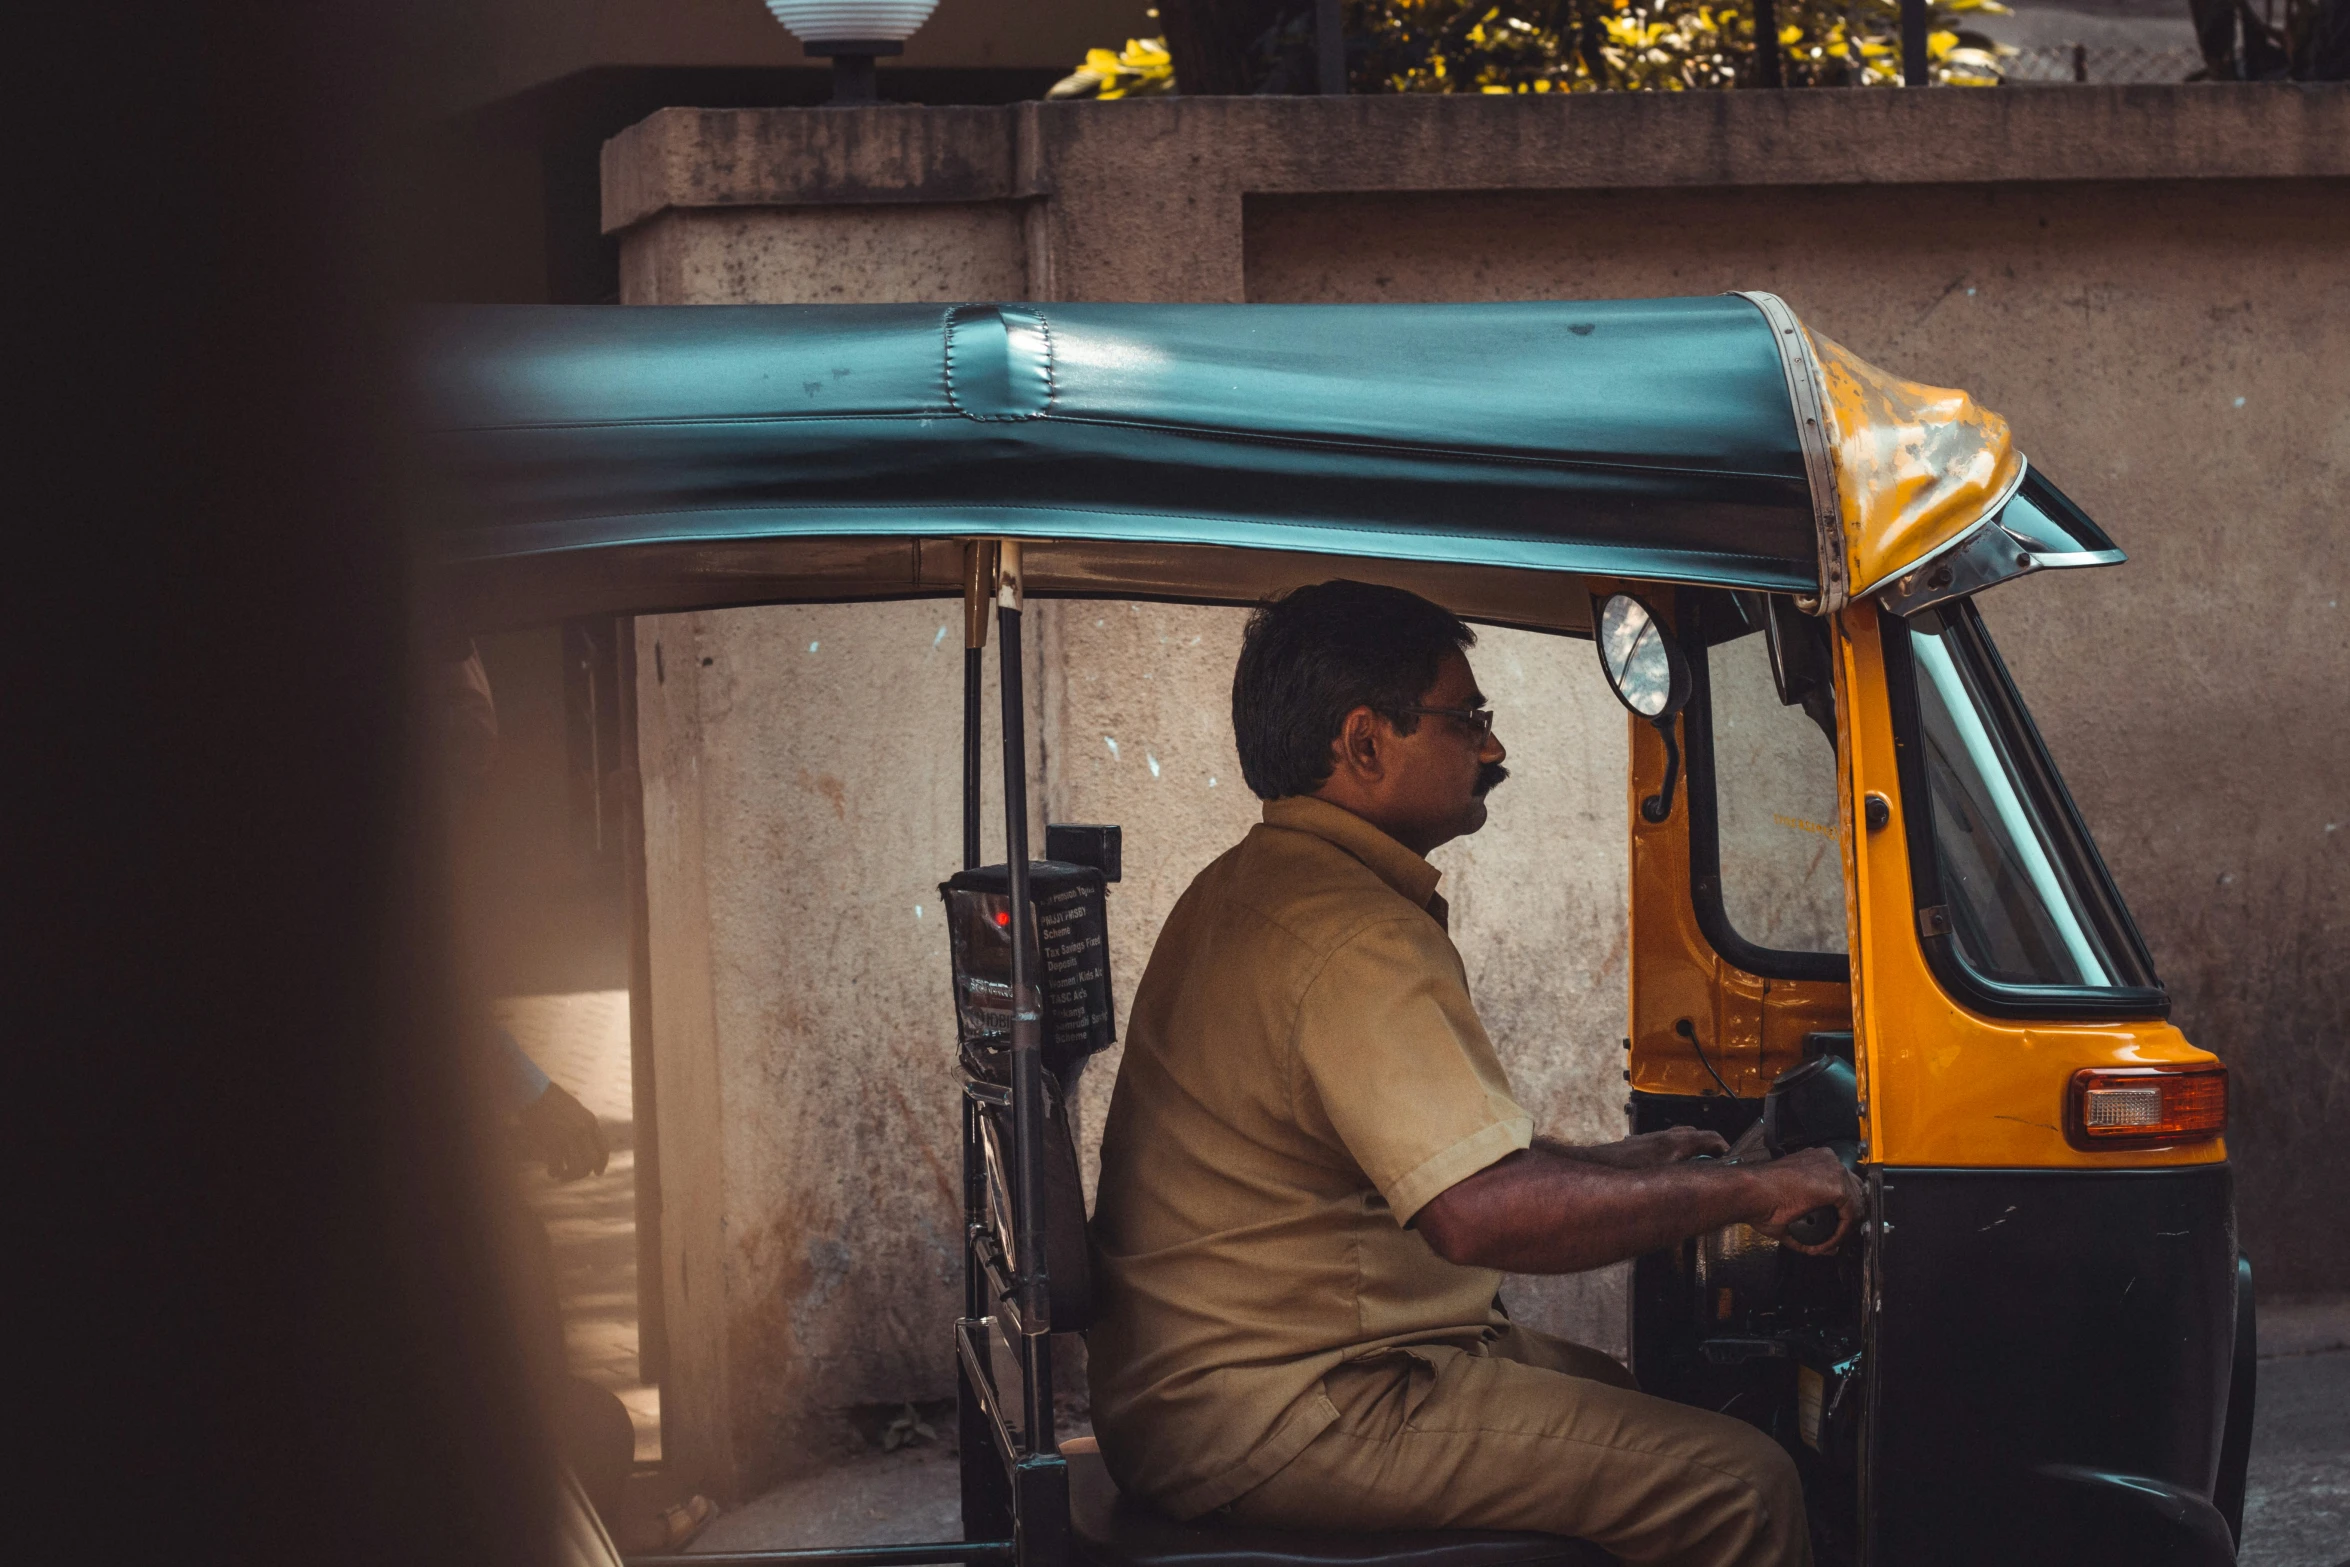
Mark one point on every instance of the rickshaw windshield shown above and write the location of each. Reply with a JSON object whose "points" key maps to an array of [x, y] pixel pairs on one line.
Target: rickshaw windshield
{"points": [[2012, 879]]}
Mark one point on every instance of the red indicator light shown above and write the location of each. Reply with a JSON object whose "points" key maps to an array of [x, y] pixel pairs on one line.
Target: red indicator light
{"points": [[1003, 917], [2146, 1106]]}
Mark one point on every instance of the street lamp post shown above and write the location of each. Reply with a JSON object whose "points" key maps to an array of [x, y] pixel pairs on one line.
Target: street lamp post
{"points": [[852, 34]]}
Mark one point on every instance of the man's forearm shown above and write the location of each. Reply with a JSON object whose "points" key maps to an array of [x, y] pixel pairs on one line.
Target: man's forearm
{"points": [[1643, 1151], [1555, 1210], [1625, 1154]]}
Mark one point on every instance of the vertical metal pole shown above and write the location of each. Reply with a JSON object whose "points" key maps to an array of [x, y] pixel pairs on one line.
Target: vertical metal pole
{"points": [[1330, 47], [986, 1498], [978, 589], [853, 81], [1914, 70], [986, 1491], [1028, 1126], [979, 569], [973, 672], [652, 1303], [1766, 45]]}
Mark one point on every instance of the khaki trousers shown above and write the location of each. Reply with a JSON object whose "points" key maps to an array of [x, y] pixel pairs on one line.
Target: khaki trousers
{"points": [[1537, 1434]]}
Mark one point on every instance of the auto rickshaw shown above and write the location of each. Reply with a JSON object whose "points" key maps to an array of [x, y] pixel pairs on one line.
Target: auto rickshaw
{"points": [[2038, 1349]]}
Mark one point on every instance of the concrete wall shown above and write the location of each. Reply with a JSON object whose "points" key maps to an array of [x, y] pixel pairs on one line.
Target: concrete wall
{"points": [[801, 806], [2151, 283]]}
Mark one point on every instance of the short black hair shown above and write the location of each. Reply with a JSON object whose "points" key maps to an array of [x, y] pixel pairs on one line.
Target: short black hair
{"points": [[1310, 658]]}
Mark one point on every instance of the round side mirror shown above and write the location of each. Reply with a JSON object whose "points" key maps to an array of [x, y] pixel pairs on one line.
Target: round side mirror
{"points": [[1645, 666]]}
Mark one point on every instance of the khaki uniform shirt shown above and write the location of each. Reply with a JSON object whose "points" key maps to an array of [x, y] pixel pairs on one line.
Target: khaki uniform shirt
{"points": [[1303, 1071]]}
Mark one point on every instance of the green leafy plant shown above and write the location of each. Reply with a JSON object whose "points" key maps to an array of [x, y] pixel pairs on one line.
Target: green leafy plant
{"points": [[1141, 69], [1513, 46], [1545, 46], [905, 1429]]}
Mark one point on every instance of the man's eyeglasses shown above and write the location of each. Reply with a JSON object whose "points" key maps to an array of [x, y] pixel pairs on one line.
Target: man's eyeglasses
{"points": [[1478, 719]]}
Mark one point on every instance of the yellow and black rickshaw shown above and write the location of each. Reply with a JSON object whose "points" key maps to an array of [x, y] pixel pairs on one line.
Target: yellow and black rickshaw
{"points": [[2037, 1349]]}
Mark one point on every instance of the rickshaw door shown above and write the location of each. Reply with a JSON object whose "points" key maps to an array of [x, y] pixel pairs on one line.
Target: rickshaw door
{"points": [[1739, 893]]}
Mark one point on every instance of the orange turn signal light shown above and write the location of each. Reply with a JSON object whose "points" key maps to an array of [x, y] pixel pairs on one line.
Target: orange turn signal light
{"points": [[2146, 1106]]}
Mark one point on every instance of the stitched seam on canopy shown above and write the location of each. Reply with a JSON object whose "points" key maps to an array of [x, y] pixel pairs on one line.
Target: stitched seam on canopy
{"points": [[1052, 363], [946, 334], [1354, 444], [1729, 556], [955, 416], [946, 374]]}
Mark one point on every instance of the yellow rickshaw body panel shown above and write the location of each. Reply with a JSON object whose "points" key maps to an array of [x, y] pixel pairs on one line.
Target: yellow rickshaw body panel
{"points": [[1752, 1027], [1943, 1086]]}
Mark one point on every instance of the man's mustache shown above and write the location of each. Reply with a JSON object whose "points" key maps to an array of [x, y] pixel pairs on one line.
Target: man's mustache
{"points": [[1489, 778]]}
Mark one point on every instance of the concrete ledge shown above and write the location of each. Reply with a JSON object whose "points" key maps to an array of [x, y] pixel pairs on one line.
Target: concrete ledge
{"points": [[688, 158], [805, 157]]}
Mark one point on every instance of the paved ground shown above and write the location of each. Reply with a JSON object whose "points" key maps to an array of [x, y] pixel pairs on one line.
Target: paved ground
{"points": [[2296, 1513], [2297, 1504], [2119, 40], [581, 1041], [2146, 24], [887, 1499]]}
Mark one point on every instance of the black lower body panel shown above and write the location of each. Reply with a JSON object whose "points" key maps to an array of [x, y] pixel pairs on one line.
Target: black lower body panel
{"points": [[2049, 1359]]}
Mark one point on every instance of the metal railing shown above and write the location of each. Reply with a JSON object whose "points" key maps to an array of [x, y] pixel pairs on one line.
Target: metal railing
{"points": [[2095, 63]]}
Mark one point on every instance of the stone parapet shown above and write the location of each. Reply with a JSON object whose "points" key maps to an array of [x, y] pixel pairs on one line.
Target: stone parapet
{"points": [[1105, 178], [697, 158]]}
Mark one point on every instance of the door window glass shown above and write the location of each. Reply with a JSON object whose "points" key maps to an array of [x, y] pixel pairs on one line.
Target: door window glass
{"points": [[1774, 775], [2018, 908]]}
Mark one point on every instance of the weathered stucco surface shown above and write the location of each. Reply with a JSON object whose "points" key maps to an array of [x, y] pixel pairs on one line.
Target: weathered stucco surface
{"points": [[801, 807], [827, 257], [2151, 284]]}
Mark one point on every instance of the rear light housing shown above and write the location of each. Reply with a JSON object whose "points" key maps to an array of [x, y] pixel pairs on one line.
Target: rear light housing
{"points": [[2146, 1106]]}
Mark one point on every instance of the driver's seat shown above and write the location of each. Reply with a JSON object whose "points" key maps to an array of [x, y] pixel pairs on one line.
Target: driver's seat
{"points": [[1110, 1530]]}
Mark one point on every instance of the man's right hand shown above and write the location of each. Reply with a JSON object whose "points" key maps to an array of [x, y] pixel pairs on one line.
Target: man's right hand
{"points": [[1795, 1185], [560, 1130]]}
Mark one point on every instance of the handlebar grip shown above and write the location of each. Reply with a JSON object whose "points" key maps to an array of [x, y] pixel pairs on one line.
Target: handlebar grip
{"points": [[1815, 1227]]}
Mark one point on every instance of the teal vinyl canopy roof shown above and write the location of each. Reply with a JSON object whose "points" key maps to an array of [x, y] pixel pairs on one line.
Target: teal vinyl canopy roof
{"points": [[1647, 438]]}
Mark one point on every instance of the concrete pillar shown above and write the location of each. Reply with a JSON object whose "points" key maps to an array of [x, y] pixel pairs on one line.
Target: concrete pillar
{"points": [[801, 805]]}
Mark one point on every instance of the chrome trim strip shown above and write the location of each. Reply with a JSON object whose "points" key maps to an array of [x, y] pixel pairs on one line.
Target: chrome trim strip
{"points": [[1986, 555], [1807, 400], [2082, 558]]}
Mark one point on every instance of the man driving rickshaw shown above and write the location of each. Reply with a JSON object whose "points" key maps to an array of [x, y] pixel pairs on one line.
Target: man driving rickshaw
{"points": [[1315, 1173]]}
